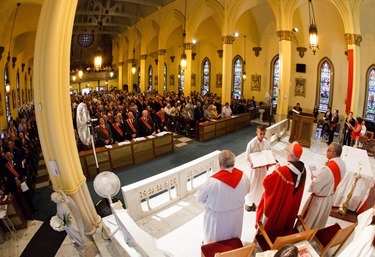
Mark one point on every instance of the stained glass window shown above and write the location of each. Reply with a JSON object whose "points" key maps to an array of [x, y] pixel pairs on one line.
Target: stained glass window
{"points": [[181, 87], [275, 80], [237, 77], [165, 77], [325, 85], [6, 95], [149, 87], [370, 106], [206, 76], [18, 89]]}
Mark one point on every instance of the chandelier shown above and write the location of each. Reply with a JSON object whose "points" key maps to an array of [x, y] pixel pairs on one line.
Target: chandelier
{"points": [[313, 31]]}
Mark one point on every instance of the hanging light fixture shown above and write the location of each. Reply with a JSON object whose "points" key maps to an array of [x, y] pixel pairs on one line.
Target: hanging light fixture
{"points": [[313, 31], [244, 60], [134, 68], [11, 34], [98, 59], [183, 56]]}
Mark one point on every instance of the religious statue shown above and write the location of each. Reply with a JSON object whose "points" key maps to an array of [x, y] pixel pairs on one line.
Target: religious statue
{"points": [[68, 218]]}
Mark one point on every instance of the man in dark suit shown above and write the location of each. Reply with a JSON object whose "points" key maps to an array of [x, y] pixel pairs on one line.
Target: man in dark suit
{"points": [[160, 121], [199, 113], [146, 124], [104, 133], [131, 126], [334, 123], [118, 129]]}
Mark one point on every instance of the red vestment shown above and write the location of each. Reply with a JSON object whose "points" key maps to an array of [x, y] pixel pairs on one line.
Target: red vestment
{"points": [[230, 178], [280, 201]]}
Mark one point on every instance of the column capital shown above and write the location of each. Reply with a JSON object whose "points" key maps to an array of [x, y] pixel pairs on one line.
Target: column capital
{"points": [[121, 63], [162, 51], [188, 46], [228, 39], [143, 56], [285, 35], [353, 39]]}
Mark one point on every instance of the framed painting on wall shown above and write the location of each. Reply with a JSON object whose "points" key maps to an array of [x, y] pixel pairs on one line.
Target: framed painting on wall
{"points": [[256, 82], [193, 79], [171, 80], [219, 80], [300, 89]]}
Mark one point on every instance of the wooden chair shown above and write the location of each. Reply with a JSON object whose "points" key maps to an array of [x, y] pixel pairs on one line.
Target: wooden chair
{"points": [[209, 250], [332, 236], [275, 241], [369, 134], [245, 251]]}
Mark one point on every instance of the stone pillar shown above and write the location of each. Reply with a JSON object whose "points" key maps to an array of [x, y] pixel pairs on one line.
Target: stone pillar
{"points": [[131, 76], [285, 53], [144, 73], [120, 75], [188, 52], [161, 61], [355, 92], [226, 89], [51, 64]]}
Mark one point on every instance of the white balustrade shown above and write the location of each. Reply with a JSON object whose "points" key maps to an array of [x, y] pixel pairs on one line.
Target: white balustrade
{"points": [[154, 193], [277, 130]]}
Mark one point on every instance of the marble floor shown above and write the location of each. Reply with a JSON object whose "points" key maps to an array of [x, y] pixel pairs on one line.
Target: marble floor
{"points": [[178, 229]]}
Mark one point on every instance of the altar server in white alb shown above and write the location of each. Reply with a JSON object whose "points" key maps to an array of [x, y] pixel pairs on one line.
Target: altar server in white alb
{"points": [[223, 196], [323, 187]]}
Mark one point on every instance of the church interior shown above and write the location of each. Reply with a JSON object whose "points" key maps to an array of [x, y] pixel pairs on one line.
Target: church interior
{"points": [[57, 54]]}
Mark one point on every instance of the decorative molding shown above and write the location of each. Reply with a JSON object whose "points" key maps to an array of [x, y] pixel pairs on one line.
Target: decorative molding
{"points": [[14, 60], [156, 61], [220, 52], [257, 50], [301, 51], [188, 46], [285, 35], [172, 58], [353, 39], [121, 64], [162, 52], [193, 56], [143, 56], [229, 39]]}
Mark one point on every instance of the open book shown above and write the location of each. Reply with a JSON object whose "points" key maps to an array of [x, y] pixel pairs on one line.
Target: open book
{"points": [[262, 158]]}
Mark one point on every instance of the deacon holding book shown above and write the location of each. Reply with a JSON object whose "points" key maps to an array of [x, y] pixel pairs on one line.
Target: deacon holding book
{"points": [[323, 187], [223, 196], [257, 174], [283, 190]]}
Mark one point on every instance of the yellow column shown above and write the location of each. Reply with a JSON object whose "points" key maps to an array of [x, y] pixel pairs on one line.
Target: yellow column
{"points": [[51, 64], [161, 61], [144, 73], [226, 89], [120, 74], [358, 94], [131, 76], [188, 51], [285, 46]]}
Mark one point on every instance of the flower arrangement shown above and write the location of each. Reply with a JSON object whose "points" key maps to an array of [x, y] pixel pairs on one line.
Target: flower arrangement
{"points": [[60, 224]]}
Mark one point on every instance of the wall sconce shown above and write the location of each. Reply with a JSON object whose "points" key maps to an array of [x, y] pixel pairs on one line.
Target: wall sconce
{"points": [[134, 68], [7, 88], [111, 74], [301, 51], [172, 58], [220, 52], [14, 60], [23, 66], [74, 77], [183, 61], [257, 50], [80, 74], [193, 56], [156, 61], [1, 52], [28, 70]]}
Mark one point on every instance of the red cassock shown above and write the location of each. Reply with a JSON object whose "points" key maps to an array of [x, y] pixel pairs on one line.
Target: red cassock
{"points": [[280, 201]]}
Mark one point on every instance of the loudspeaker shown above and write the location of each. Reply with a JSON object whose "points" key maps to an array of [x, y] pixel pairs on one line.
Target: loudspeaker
{"points": [[300, 67]]}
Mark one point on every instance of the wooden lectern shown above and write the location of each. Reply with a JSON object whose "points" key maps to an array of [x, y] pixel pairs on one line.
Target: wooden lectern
{"points": [[302, 126]]}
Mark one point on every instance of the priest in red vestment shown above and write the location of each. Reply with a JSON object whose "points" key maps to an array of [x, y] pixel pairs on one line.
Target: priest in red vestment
{"points": [[223, 196], [283, 190]]}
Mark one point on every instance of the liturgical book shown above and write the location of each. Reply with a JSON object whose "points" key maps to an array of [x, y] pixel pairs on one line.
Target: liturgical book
{"points": [[262, 158]]}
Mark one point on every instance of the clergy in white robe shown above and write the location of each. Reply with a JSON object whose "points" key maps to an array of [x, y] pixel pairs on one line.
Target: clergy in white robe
{"points": [[322, 188], [361, 242], [223, 196], [257, 175]]}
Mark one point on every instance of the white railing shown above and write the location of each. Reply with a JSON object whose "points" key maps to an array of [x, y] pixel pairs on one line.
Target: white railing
{"points": [[277, 131], [169, 186]]}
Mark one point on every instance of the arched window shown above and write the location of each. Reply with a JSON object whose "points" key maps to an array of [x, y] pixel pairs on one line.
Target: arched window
{"points": [[325, 87], [18, 89], [149, 86], [275, 76], [370, 94], [237, 77], [181, 74], [206, 71], [6, 95], [165, 77]]}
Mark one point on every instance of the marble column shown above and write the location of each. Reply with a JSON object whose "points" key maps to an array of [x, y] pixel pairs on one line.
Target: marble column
{"points": [[161, 61], [51, 64], [226, 89], [144, 84]]}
